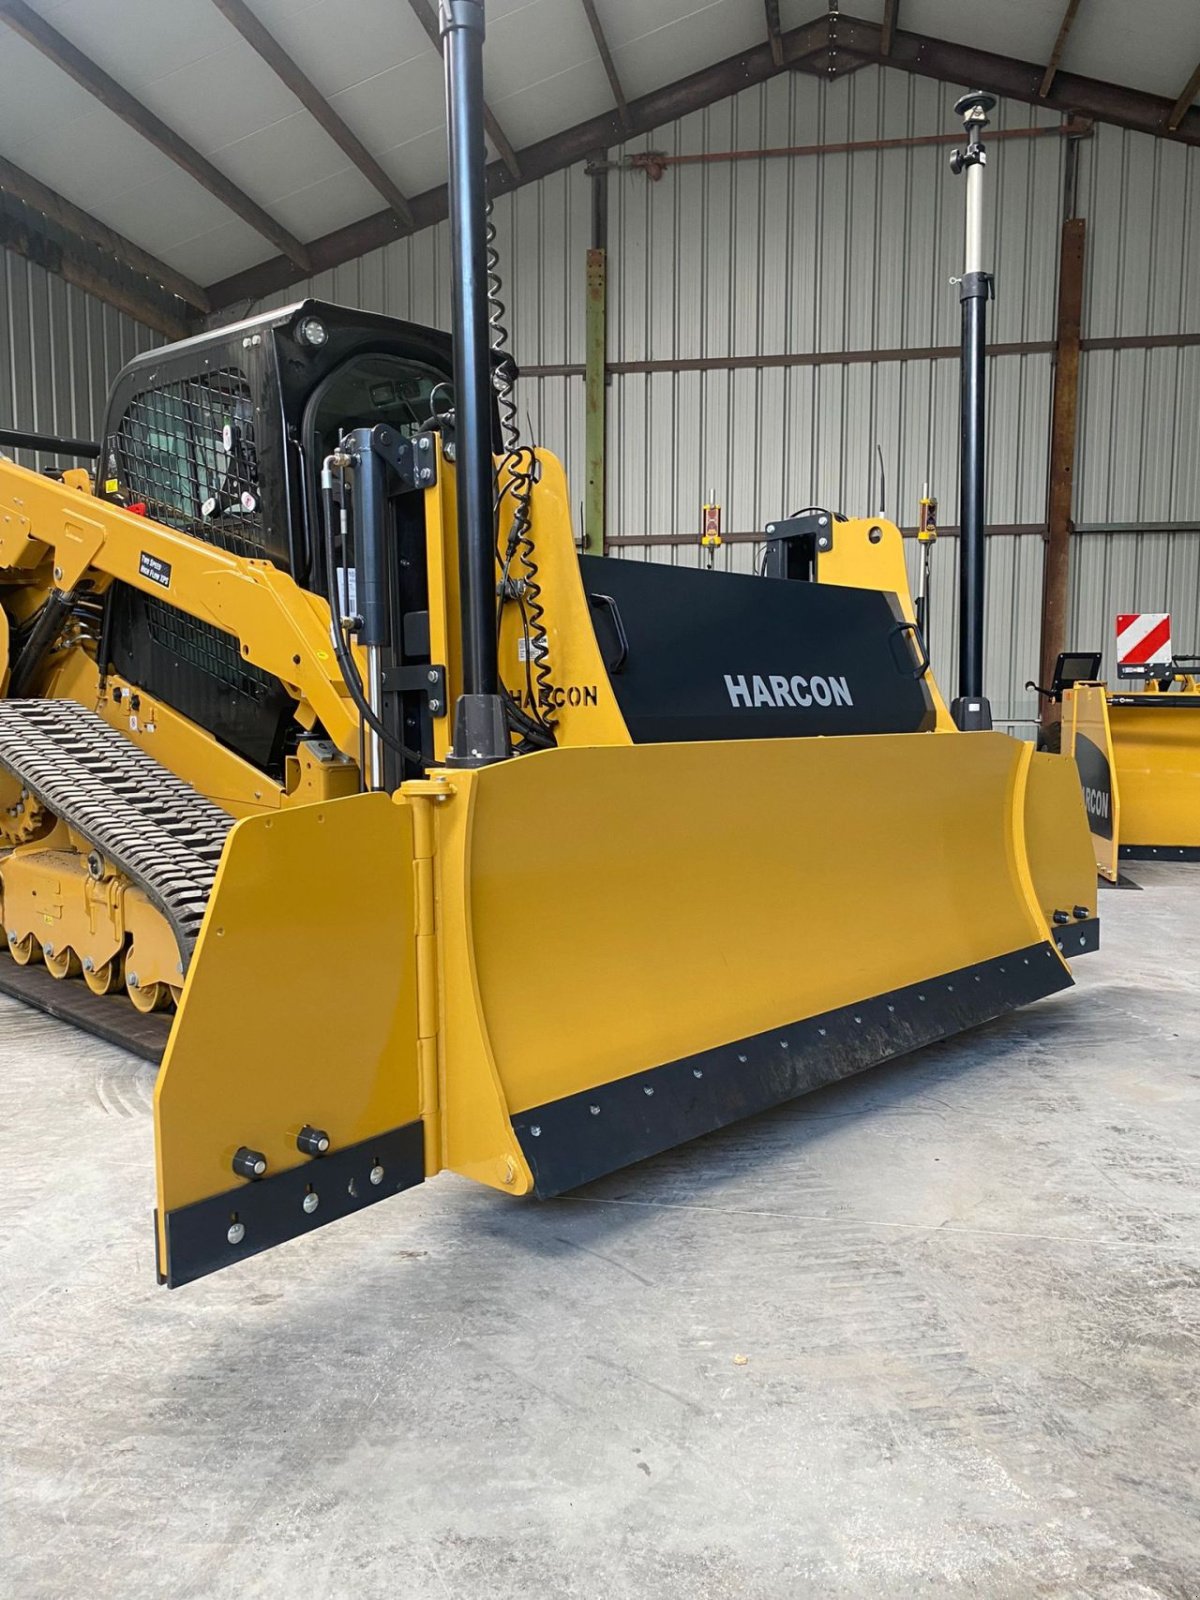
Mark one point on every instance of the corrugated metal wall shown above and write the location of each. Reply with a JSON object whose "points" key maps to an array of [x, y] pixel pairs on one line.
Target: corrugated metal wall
{"points": [[1139, 421], [59, 351], [802, 259], [810, 257]]}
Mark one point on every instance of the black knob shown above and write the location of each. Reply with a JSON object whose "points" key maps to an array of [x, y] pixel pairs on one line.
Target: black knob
{"points": [[312, 1141], [1060, 917], [1081, 912], [977, 100], [249, 1163]]}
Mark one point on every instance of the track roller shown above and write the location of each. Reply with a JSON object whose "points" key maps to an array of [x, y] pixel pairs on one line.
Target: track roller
{"points": [[62, 963], [107, 978], [147, 997], [26, 952]]}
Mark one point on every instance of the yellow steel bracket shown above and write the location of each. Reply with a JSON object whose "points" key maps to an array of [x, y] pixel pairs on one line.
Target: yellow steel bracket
{"points": [[868, 553]]}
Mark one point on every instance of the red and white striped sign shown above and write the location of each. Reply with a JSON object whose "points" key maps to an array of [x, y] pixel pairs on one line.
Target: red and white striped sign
{"points": [[1144, 639]]}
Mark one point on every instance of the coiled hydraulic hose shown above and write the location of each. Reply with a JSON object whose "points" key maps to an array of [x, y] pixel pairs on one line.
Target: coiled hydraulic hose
{"points": [[534, 724]]}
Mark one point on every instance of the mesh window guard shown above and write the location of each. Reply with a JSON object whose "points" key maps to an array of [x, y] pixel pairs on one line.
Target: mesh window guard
{"points": [[188, 451]]}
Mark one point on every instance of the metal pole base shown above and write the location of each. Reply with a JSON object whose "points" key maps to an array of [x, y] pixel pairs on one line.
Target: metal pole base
{"points": [[972, 713], [480, 731]]}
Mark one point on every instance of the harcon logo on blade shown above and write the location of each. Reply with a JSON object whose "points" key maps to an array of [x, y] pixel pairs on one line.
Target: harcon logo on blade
{"points": [[776, 690], [1095, 801]]}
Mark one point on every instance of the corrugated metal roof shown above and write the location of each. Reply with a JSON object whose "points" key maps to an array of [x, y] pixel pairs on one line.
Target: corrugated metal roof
{"points": [[373, 63]]}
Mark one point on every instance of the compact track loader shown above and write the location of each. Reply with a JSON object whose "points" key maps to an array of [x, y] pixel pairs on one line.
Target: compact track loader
{"points": [[411, 839]]}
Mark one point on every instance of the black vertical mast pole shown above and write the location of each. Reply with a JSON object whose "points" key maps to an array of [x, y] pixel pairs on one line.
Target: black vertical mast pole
{"points": [[480, 734], [971, 708]]}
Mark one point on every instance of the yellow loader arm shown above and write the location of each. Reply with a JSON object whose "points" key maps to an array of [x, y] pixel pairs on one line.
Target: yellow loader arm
{"points": [[281, 628]]}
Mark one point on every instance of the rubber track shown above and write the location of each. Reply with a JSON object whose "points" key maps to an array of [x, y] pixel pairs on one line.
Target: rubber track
{"points": [[163, 834]]}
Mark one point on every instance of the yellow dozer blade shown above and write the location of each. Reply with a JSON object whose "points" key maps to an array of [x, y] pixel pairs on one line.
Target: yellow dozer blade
{"points": [[1138, 756], [690, 934]]}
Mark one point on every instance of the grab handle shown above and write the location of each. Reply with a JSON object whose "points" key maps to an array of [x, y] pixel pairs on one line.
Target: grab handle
{"points": [[605, 602], [922, 665]]}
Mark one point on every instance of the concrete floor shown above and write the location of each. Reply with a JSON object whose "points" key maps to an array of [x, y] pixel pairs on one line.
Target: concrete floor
{"points": [[932, 1332]]}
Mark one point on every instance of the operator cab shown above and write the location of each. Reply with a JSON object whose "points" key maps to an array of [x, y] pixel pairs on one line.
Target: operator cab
{"points": [[222, 437]]}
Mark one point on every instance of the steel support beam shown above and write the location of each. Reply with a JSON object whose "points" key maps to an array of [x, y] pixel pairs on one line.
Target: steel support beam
{"points": [[610, 66], [890, 11], [1063, 427], [1015, 80], [655, 162], [595, 401], [76, 264], [596, 373], [71, 219], [853, 358], [56, 47], [774, 31], [314, 102], [1180, 109], [1060, 44]]}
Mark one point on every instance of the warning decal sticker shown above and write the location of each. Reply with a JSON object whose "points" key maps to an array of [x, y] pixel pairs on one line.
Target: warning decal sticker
{"points": [[154, 568]]}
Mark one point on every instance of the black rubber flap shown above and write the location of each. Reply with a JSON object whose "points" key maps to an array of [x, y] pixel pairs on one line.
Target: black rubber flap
{"points": [[110, 1017], [259, 1214], [571, 1141], [1159, 852]]}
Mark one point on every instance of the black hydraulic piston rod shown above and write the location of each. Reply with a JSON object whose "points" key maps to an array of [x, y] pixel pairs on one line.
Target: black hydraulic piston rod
{"points": [[971, 708], [370, 554], [480, 734]]}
